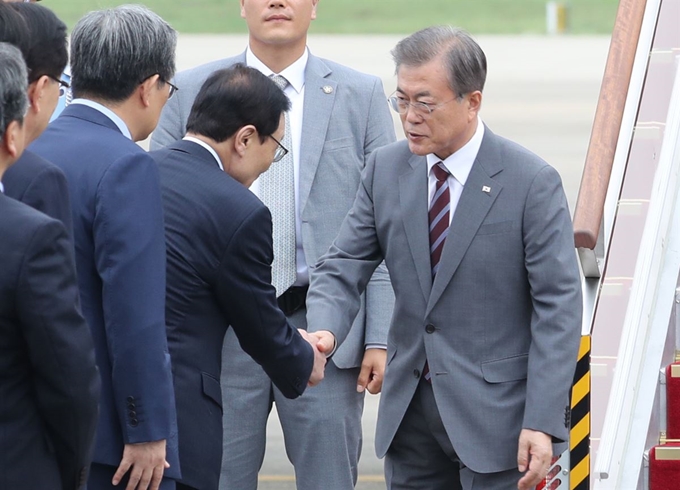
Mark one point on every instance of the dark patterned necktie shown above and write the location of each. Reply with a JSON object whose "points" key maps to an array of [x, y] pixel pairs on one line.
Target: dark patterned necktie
{"points": [[438, 216]]}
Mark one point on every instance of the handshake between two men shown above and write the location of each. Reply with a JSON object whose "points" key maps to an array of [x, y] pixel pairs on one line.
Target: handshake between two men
{"points": [[324, 345]]}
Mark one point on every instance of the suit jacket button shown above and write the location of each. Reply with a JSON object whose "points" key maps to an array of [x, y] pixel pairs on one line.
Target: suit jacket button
{"points": [[132, 414], [416, 374], [130, 399], [429, 328], [134, 422]]}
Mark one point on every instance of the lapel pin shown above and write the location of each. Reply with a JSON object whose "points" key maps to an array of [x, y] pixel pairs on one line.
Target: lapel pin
{"points": [[327, 89], [486, 188]]}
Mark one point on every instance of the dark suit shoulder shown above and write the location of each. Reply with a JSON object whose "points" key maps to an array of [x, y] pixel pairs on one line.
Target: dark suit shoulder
{"points": [[19, 225], [41, 185], [19, 221], [26, 169], [218, 197]]}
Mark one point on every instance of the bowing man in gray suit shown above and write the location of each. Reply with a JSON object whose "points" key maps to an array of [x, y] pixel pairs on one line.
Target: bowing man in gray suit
{"points": [[478, 239], [338, 117]]}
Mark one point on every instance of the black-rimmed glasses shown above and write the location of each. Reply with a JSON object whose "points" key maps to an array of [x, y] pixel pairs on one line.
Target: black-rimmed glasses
{"points": [[61, 82], [173, 88], [281, 151]]}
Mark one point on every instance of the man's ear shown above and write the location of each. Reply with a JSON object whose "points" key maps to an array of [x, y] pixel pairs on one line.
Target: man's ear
{"points": [[146, 87], [315, 3], [13, 139], [244, 139], [35, 93], [474, 104]]}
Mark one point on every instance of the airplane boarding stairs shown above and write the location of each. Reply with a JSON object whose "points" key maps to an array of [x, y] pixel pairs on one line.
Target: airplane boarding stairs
{"points": [[625, 419]]}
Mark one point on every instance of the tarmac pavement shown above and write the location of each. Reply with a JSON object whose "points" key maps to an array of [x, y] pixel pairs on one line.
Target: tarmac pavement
{"points": [[541, 92]]}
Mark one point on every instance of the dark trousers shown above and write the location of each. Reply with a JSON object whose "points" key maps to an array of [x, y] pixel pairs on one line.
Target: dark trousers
{"points": [[421, 456], [182, 486]]}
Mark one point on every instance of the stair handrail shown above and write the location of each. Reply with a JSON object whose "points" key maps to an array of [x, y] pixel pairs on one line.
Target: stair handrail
{"points": [[604, 137]]}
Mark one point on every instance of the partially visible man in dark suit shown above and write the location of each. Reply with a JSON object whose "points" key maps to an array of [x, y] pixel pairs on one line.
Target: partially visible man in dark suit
{"points": [[219, 245], [122, 60], [49, 386], [338, 117], [42, 38]]}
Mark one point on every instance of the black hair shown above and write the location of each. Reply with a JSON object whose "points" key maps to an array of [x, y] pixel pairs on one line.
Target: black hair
{"points": [[13, 29], [48, 52], [236, 97]]}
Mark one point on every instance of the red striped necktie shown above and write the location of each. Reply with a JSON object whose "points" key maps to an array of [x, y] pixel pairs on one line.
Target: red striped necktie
{"points": [[438, 217]]}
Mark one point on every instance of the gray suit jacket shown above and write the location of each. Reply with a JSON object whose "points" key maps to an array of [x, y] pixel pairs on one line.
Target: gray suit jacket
{"points": [[340, 129], [500, 324]]}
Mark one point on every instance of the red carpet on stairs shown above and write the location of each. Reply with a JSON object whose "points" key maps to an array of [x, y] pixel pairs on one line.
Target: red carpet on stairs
{"points": [[664, 460], [664, 467]]}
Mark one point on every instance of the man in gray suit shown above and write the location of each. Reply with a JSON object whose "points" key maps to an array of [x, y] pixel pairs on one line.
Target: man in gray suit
{"points": [[478, 239], [338, 117]]}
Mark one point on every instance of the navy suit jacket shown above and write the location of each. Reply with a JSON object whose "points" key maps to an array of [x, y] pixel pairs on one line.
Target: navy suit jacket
{"points": [[49, 386], [120, 259], [42, 185], [219, 249]]}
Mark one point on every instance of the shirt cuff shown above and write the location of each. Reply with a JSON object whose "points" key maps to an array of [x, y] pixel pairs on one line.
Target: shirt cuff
{"points": [[375, 346]]}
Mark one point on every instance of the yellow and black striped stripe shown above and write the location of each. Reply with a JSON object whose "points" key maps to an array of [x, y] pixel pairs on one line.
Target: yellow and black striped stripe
{"points": [[579, 436]]}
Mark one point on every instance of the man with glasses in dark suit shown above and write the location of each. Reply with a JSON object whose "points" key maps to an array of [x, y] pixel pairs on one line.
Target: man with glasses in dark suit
{"points": [[338, 117], [121, 62], [49, 386], [41, 37], [219, 248]]}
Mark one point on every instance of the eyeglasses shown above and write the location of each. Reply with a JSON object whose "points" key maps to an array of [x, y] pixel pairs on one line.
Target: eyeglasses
{"points": [[423, 109], [281, 151], [173, 89], [61, 82]]}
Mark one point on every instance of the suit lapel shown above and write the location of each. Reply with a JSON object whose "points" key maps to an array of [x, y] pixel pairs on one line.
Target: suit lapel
{"points": [[318, 105], [479, 194], [413, 202]]}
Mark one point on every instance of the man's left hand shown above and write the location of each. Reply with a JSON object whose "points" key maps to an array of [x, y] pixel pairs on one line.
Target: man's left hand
{"points": [[533, 456], [372, 371]]}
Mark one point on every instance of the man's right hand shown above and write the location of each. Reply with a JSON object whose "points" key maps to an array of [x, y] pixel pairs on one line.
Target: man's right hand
{"points": [[319, 358], [146, 463]]}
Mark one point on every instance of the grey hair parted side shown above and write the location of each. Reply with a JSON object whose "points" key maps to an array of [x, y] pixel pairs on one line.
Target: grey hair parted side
{"points": [[465, 60], [13, 86], [114, 50]]}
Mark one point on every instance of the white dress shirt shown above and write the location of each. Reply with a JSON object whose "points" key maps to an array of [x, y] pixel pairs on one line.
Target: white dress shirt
{"points": [[295, 74], [108, 113], [459, 165], [207, 147]]}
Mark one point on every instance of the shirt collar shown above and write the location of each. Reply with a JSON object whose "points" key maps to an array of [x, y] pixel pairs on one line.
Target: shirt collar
{"points": [[459, 164], [295, 73], [2, 188], [107, 112], [207, 147]]}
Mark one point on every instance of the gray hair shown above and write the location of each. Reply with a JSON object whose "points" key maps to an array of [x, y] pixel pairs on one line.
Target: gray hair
{"points": [[114, 50], [13, 86], [465, 60]]}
